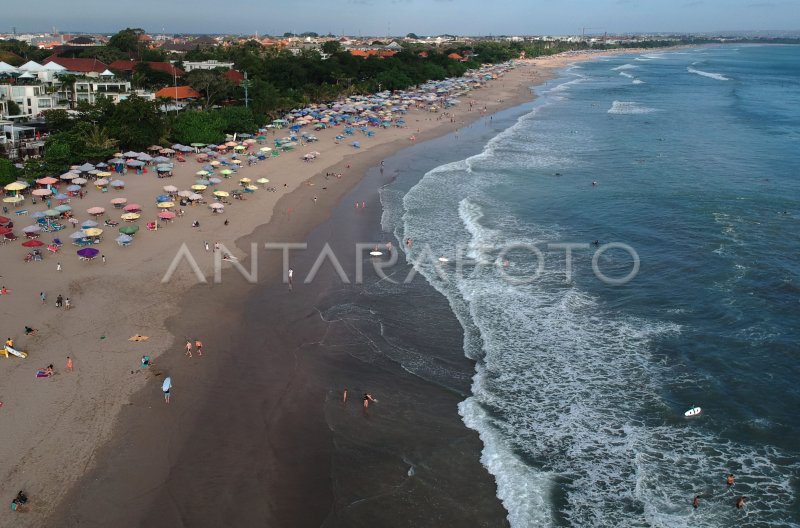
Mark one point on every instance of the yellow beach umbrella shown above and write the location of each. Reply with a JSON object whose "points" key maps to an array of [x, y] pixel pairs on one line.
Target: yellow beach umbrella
{"points": [[166, 205], [199, 187], [202, 173], [93, 232], [252, 187], [237, 162], [239, 147], [262, 180], [13, 199], [129, 217], [16, 186], [214, 163], [245, 180], [103, 174], [221, 194], [265, 149]]}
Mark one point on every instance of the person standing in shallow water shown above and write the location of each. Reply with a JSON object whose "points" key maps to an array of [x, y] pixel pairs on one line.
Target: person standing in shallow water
{"points": [[368, 398], [729, 480], [696, 502]]}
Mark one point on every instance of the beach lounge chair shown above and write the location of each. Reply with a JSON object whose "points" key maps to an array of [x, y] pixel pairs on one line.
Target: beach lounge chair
{"points": [[21, 212]]}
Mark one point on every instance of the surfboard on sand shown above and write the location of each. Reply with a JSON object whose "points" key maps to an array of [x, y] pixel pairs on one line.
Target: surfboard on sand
{"points": [[18, 353], [694, 411]]}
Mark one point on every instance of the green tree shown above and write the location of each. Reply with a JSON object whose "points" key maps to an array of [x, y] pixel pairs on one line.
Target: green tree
{"points": [[331, 47], [8, 172], [127, 41], [195, 126], [237, 119], [135, 122], [412, 36], [58, 121], [13, 108], [58, 152], [211, 83]]}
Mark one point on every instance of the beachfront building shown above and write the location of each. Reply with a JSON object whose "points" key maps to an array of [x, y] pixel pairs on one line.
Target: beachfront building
{"points": [[88, 90], [179, 97], [33, 98], [87, 67], [206, 65]]}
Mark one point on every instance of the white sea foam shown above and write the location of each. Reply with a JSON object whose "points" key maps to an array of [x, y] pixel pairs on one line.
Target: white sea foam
{"points": [[710, 75], [637, 81], [625, 67], [626, 74], [629, 107], [566, 390]]}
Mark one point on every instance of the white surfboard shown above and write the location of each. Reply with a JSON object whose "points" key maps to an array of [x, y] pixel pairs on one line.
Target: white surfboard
{"points": [[444, 259], [167, 385], [375, 253], [694, 411], [18, 353]]}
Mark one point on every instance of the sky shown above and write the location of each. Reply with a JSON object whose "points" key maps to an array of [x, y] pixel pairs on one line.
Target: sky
{"points": [[399, 17]]}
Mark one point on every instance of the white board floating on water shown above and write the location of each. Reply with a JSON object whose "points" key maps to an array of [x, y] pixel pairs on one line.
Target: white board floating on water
{"points": [[444, 259], [375, 253], [694, 411]]}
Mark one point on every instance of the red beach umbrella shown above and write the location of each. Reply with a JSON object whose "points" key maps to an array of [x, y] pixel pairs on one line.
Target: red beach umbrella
{"points": [[4, 230], [33, 243]]}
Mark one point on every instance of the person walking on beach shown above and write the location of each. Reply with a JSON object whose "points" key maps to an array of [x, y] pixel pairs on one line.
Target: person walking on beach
{"points": [[103, 258], [199, 346], [166, 387], [206, 245], [67, 304], [69, 364], [344, 395], [188, 348], [58, 266], [59, 301], [43, 297], [291, 281]]}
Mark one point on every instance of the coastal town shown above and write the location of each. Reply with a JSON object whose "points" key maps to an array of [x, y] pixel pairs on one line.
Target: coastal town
{"points": [[151, 185]]}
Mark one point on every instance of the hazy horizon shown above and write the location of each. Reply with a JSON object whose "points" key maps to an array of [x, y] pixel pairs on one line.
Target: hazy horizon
{"points": [[399, 17]]}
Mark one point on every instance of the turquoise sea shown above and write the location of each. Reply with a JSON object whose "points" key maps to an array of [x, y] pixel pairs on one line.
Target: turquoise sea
{"points": [[689, 161]]}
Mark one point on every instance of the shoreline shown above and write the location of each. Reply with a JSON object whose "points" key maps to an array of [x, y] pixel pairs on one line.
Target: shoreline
{"points": [[286, 224]]}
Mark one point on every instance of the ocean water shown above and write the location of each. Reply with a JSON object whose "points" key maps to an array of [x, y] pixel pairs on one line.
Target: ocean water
{"points": [[688, 161]]}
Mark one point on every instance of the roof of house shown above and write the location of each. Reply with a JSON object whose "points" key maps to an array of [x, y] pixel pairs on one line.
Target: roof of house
{"points": [[130, 65], [234, 76], [454, 56], [78, 65], [372, 52], [178, 92]]}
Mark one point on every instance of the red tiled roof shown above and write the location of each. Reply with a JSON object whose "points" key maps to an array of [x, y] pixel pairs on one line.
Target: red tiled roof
{"points": [[370, 53], [130, 65], [78, 65], [180, 92], [234, 76], [454, 56]]}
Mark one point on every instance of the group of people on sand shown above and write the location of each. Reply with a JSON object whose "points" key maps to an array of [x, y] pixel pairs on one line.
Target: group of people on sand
{"points": [[730, 480]]}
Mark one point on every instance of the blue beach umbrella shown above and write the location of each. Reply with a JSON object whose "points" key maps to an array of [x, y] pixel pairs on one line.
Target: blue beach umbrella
{"points": [[61, 196], [74, 188], [163, 198]]}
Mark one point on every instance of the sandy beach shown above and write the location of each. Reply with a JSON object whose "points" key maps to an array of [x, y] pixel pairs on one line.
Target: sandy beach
{"points": [[53, 430]]}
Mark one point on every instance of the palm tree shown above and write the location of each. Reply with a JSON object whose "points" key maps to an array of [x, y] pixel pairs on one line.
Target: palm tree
{"points": [[99, 143]]}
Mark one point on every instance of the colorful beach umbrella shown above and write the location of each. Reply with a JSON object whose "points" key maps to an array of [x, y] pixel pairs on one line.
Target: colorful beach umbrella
{"points": [[93, 232], [88, 253], [41, 192], [129, 230], [132, 208], [130, 217], [167, 215], [33, 243], [96, 211]]}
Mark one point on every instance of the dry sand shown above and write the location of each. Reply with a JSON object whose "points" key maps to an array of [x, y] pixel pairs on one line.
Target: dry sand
{"points": [[51, 428]]}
